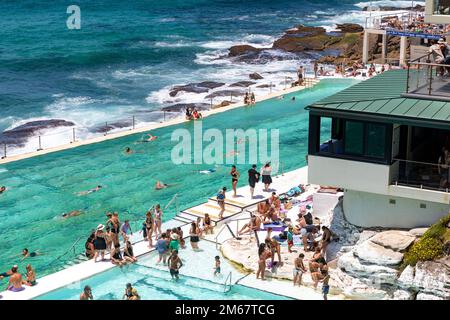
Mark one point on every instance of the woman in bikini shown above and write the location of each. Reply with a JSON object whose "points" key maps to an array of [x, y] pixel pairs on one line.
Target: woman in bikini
{"points": [[194, 235], [158, 220], [263, 254], [234, 179], [149, 227], [31, 276], [207, 224]]}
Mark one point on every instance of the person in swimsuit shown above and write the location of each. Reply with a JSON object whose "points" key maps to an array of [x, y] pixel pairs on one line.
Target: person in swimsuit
{"points": [[221, 201], [175, 264], [234, 179], [207, 224], [131, 293], [9, 272], [99, 243], [253, 178], [31, 276], [318, 257], [174, 244], [2, 189], [114, 224], [158, 220], [149, 227], [319, 275], [326, 239], [128, 254], [299, 269], [109, 238], [325, 285], [263, 254], [86, 294], [179, 232], [71, 214], [125, 229], [15, 280], [151, 137], [217, 266], [128, 150], [82, 193], [253, 225], [26, 253], [160, 185], [290, 239], [89, 246], [266, 172], [194, 236], [252, 98], [162, 246], [117, 258]]}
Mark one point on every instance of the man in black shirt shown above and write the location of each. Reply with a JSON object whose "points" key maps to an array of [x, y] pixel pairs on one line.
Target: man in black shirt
{"points": [[253, 178]]}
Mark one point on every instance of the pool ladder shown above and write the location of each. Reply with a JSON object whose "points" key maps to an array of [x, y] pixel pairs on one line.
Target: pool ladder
{"points": [[226, 286]]}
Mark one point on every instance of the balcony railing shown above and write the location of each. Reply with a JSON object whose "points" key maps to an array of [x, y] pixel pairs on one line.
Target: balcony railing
{"points": [[428, 79], [421, 175]]}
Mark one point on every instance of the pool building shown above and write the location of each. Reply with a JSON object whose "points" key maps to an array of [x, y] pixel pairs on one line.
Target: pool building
{"points": [[383, 146]]}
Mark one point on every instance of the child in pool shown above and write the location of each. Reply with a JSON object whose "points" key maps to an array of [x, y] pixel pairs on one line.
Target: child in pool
{"points": [[217, 267]]}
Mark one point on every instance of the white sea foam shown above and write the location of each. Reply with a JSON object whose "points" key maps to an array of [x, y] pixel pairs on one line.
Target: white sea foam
{"points": [[389, 3]]}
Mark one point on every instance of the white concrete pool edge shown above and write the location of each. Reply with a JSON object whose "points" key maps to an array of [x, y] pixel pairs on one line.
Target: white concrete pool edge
{"points": [[84, 270], [154, 126]]}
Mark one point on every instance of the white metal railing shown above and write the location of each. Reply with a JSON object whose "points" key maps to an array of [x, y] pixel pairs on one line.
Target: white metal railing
{"points": [[226, 287]]}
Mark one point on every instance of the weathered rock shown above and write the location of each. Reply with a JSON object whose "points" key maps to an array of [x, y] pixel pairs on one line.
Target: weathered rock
{"points": [[350, 27], [374, 273], [18, 135], [242, 84], [366, 235], [371, 252], [406, 278], [354, 288], [265, 86], [426, 296], [403, 295], [255, 76], [242, 49], [418, 232], [433, 277], [200, 87], [225, 93], [181, 107], [394, 239], [418, 7]]}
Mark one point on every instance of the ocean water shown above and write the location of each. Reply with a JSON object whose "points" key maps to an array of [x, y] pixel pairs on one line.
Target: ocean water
{"points": [[41, 188], [128, 54]]}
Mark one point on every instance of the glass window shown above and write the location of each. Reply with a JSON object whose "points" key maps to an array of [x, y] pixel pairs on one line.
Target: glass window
{"points": [[376, 140], [354, 137], [442, 7]]}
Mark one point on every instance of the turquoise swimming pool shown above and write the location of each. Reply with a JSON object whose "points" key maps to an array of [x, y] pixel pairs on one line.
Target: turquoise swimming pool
{"points": [[153, 282], [40, 189]]}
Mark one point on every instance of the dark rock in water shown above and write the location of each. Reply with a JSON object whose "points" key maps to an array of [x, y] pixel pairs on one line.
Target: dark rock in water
{"points": [[112, 125], [265, 86], [19, 135], [242, 84], [242, 49], [225, 93], [255, 76], [200, 87], [350, 28], [181, 107]]}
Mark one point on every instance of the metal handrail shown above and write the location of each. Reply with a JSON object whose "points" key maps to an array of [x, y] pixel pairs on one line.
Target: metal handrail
{"points": [[72, 247], [225, 283]]}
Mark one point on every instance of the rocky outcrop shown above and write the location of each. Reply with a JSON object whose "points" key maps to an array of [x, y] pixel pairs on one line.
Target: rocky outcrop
{"points": [[200, 87], [242, 49], [394, 239], [242, 84], [350, 28], [19, 135], [255, 76], [181, 107], [225, 93], [393, 8]]}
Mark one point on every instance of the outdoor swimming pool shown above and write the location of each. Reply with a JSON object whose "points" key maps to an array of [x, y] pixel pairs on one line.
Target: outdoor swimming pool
{"points": [[153, 282], [40, 189]]}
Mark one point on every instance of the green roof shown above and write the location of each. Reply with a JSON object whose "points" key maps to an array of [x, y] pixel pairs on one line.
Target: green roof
{"points": [[381, 96]]}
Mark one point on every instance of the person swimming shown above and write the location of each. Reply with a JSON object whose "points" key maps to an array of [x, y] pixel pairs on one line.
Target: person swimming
{"points": [[82, 193], [26, 253], [207, 171], [128, 150], [160, 185], [2, 189], [151, 137], [71, 214]]}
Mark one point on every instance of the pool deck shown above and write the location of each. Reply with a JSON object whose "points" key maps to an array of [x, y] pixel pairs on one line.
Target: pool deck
{"points": [[175, 121], [71, 275]]}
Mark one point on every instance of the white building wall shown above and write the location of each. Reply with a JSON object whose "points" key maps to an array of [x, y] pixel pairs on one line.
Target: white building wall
{"points": [[373, 210]]}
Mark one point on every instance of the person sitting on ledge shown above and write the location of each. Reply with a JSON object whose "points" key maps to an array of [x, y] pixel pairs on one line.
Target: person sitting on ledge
{"points": [[253, 225], [15, 281]]}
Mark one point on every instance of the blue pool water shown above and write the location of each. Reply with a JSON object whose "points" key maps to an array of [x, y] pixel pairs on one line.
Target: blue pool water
{"points": [[43, 187], [153, 282]]}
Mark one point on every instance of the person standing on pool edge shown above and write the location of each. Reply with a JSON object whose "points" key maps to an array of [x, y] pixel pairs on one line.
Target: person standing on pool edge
{"points": [[221, 201], [253, 178], [266, 171], [234, 179]]}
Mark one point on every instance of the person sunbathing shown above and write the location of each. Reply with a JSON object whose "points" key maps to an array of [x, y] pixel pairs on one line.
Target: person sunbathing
{"points": [[253, 225]]}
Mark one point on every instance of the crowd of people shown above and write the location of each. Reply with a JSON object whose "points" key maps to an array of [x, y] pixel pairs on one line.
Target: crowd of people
{"points": [[249, 98], [413, 24]]}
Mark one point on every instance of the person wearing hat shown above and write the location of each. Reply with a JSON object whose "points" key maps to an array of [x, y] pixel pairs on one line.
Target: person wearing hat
{"points": [[99, 242], [174, 243]]}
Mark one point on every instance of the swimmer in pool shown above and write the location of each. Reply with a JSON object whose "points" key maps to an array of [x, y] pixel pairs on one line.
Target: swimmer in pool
{"points": [[128, 150], [71, 214], [26, 253], [207, 171], [2, 189], [151, 137], [160, 185], [82, 193]]}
